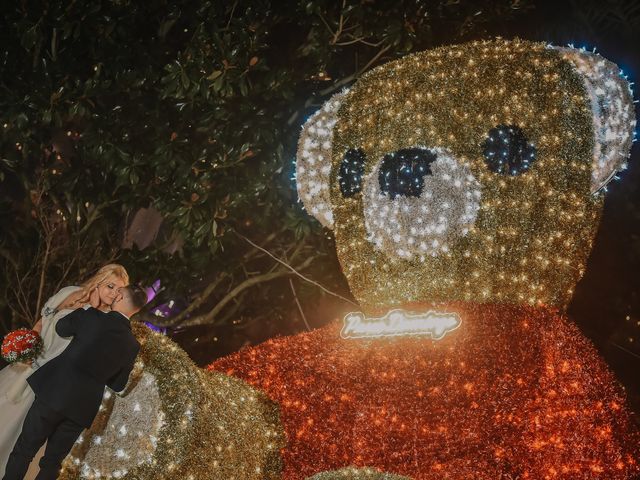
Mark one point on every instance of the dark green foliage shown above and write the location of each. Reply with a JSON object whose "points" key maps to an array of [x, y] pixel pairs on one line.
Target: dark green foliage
{"points": [[192, 108]]}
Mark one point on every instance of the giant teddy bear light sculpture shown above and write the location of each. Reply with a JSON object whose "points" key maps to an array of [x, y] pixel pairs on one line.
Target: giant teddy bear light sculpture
{"points": [[466, 183]]}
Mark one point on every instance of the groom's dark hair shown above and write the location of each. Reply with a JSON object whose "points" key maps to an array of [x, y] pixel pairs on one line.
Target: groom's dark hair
{"points": [[137, 296]]}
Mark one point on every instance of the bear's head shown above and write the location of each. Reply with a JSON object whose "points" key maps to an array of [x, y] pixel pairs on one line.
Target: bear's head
{"points": [[471, 172]]}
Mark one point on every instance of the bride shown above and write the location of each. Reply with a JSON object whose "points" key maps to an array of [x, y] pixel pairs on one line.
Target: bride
{"points": [[15, 395]]}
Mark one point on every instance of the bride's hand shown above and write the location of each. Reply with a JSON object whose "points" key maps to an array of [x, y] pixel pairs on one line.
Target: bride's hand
{"points": [[94, 298], [38, 326]]}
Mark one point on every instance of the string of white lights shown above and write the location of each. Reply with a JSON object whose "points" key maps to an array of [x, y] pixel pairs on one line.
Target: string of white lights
{"points": [[613, 114], [313, 165]]}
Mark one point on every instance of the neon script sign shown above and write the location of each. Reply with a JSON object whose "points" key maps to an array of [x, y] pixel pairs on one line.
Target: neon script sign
{"points": [[400, 323]]}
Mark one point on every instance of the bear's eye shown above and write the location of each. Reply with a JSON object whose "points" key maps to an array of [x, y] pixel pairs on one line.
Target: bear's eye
{"points": [[402, 172], [507, 150], [351, 172]]}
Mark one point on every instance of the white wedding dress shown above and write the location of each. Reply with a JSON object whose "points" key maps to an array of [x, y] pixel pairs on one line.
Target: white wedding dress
{"points": [[16, 396]]}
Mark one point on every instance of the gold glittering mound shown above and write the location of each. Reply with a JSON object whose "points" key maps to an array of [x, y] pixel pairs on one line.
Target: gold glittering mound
{"points": [[179, 422], [515, 392], [353, 473], [469, 172]]}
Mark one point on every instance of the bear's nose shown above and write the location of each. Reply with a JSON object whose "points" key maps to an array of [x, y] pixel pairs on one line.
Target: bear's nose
{"points": [[419, 201], [402, 172]]}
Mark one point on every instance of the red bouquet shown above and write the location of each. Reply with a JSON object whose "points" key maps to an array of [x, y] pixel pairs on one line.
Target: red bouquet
{"points": [[21, 345]]}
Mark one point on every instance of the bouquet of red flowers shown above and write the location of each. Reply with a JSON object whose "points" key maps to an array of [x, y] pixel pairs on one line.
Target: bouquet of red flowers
{"points": [[21, 345]]}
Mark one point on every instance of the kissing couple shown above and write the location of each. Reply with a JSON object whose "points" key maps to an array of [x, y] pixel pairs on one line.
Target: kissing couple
{"points": [[88, 345]]}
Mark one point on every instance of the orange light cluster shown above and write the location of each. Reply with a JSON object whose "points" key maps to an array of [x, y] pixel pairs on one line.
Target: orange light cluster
{"points": [[517, 392]]}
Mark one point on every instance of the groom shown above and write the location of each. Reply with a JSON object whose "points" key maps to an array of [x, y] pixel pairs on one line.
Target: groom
{"points": [[69, 388]]}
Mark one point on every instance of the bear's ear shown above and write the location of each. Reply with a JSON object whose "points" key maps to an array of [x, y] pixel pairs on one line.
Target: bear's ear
{"points": [[313, 160], [613, 113]]}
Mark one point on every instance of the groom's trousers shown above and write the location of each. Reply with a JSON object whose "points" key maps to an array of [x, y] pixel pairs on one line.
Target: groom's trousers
{"points": [[42, 425]]}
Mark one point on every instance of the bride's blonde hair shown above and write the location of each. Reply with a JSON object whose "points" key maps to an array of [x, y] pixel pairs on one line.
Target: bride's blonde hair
{"points": [[104, 273], [100, 276]]}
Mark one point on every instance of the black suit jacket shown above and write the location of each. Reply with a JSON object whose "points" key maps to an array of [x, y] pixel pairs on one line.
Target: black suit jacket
{"points": [[102, 352]]}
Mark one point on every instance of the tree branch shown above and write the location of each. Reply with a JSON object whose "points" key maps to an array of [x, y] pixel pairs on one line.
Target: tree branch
{"points": [[307, 279], [200, 299], [181, 317], [237, 303], [295, 296], [354, 76], [233, 9], [249, 282], [359, 40], [43, 272]]}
